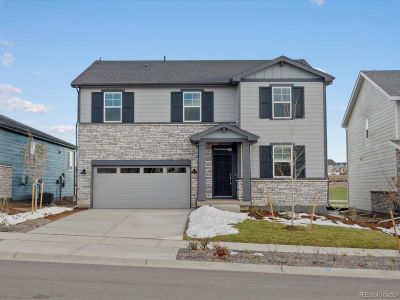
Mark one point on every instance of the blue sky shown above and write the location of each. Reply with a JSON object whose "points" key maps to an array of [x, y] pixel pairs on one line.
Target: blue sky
{"points": [[44, 45]]}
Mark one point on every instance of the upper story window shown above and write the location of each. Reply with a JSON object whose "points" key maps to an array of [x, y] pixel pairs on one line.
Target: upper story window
{"points": [[366, 128], [192, 106], [281, 102], [112, 107], [282, 156], [70, 163]]}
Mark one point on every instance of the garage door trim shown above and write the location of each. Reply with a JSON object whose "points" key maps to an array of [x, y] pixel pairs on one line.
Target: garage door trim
{"points": [[97, 163], [118, 163]]}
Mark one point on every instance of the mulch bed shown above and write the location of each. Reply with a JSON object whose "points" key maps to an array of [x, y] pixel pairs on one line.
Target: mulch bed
{"points": [[25, 226], [295, 259], [33, 224]]}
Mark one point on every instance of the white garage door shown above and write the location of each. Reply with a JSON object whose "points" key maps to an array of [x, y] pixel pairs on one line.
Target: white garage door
{"points": [[141, 187]]}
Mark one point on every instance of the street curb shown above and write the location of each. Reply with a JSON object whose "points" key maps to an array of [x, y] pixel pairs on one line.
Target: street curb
{"points": [[197, 265]]}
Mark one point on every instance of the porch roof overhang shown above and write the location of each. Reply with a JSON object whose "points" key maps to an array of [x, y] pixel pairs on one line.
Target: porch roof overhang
{"points": [[224, 132]]}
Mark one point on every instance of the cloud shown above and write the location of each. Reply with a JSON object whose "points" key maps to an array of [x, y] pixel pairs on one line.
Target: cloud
{"points": [[10, 99], [65, 129], [6, 43], [7, 59], [318, 2]]}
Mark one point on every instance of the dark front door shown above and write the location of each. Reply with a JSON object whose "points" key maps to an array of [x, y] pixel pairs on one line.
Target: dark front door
{"points": [[222, 172]]}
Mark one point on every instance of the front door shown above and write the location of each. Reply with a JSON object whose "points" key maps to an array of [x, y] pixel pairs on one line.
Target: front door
{"points": [[222, 172]]}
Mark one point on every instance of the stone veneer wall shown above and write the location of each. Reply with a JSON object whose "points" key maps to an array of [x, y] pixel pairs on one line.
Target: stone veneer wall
{"points": [[281, 191], [381, 202], [135, 142], [5, 182]]}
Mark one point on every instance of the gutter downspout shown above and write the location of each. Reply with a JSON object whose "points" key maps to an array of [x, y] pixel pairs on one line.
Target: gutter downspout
{"points": [[76, 144]]}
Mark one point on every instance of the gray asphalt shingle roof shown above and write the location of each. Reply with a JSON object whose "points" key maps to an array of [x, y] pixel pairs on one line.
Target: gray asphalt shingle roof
{"points": [[388, 80], [170, 72], [18, 127]]}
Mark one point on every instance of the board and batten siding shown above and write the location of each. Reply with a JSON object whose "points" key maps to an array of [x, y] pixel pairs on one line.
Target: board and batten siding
{"points": [[153, 104], [370, 160], [11, 146], [309, 131], [285, 71]]}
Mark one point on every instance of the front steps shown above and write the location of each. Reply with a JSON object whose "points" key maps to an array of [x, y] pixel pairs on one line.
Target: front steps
{"points": [[232, 205]]}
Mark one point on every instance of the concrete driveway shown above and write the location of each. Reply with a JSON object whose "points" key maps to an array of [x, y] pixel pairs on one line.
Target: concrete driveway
{"points": [[127, 223]]}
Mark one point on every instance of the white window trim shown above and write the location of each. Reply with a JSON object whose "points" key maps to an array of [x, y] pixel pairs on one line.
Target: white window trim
{"points": [[104, 110], [183, 105], [290, 161], [290, 102], [70, 162]]}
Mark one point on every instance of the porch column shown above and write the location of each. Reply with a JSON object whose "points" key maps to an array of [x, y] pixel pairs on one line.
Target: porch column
{"points": [[246, 171], [201, 183]]}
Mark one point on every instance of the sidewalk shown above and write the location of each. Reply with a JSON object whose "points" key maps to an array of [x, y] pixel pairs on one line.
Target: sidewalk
{"points": [[162, 253]]}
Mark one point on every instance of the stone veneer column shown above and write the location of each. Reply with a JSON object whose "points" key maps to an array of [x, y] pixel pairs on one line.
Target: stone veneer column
{"points": [[201, 194], [246, 171]]}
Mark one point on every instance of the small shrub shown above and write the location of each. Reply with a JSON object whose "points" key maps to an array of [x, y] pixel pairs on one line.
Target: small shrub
{"points": [[204, 244], [193, 245], [256, 212], [220, 252]]}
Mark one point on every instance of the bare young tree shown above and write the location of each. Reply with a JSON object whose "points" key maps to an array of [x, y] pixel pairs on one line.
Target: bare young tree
{"points": [[292, 169], [34, 158]]}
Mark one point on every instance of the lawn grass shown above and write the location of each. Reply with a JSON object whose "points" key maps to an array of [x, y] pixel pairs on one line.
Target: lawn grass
{"points": [[262, 232], [338, 193]]}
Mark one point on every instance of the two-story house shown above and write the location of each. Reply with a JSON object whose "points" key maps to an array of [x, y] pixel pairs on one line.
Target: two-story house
{"points": [[179, 134], [372, 123]]}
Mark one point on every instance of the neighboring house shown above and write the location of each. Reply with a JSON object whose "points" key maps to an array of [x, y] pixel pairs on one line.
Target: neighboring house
{"points": [[336, 168], [372, 128], [60, 161], [179, 134]]}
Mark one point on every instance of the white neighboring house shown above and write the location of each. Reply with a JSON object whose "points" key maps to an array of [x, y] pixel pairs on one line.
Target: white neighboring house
{"points": [[373, 145]]}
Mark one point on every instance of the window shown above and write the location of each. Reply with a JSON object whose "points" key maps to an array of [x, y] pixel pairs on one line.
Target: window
{"points": [[192, 106], [282, 102], [152, 170], [282, 161], [366, 128], [176, 170], [130, 170], [70, 164], [106, 170], [112, 107]]}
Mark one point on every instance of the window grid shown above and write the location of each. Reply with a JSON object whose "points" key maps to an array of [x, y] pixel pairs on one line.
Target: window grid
{"points": [[112, 101], [191, 102], [281, 96], [282, 159]]}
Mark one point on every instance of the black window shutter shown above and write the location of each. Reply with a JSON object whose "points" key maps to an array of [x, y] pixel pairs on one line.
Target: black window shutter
{"points": [[298, 101], [265, 102], [176, 107], [128, 106], [207, 107], [97, 107], [266, 162], [300, 160]]}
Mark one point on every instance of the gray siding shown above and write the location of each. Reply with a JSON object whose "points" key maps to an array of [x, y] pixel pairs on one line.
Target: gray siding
{"points": [[285, 71], [308, 131], [153, 105], [370, 160]]}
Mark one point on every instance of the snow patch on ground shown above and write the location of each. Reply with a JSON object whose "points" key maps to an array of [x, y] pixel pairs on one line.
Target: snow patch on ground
{"points": [[208, 221], [390, 230], [303, 219], [38, 214]]}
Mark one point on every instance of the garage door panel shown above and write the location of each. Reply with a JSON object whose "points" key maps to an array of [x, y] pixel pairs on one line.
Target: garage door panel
{"points": [[141, 190]]}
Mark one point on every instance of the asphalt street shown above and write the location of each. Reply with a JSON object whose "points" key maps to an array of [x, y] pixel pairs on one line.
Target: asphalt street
{"points": [[37, 280]]}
